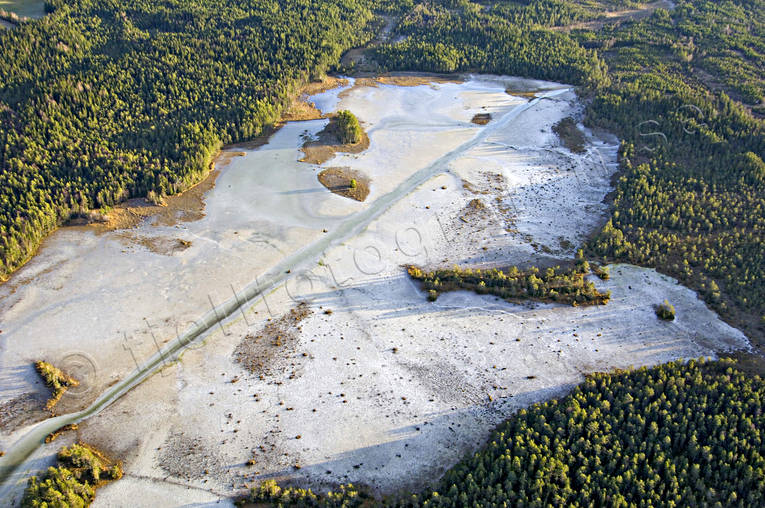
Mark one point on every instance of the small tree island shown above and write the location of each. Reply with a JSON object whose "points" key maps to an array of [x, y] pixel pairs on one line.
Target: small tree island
{"points": [[343, 133], [348, 129]]}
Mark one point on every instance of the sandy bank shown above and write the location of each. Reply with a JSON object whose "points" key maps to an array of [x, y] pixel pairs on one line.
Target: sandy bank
{"points": [[345, 182], [302, 108], [184, 207], [327, 143]]}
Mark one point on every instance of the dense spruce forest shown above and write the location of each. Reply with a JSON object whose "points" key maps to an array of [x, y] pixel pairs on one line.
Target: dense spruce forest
{"points": [[102, 100], [690, 202], [673, 435], [457, 36]]}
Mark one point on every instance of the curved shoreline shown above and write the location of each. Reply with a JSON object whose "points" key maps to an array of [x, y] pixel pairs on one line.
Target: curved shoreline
{"points": [[226, 312]]}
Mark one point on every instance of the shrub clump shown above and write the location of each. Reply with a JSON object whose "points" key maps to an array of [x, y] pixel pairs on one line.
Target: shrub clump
{"points": [[553, 285], [570, 135], [665, 311], [81, 470], [55, 379], [602, 272], [347, 496]]}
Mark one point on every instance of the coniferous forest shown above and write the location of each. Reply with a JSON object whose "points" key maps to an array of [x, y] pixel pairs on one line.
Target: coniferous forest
{"points": [[674, 435], [102, 100]]}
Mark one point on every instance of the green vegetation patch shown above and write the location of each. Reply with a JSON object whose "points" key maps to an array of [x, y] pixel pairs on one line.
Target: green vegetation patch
{"points": [[560, 285], [55, 379], [680, 434], [665, 311], [269, 492], [686, 98], [81, 470], [348, 129], [501, 38]]}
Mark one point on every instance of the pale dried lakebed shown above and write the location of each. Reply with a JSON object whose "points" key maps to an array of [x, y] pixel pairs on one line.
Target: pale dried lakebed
{"points": [[387, 389]]}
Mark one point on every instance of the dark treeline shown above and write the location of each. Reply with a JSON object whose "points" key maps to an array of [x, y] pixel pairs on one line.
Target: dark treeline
{"points": [[691, 199], [555, 284], [464, 36], [106, 99], [674, 435], [683, 89]]}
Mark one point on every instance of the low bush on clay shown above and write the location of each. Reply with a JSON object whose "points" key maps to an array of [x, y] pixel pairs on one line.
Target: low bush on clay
{"points": [[570, 135], [665, 311], [81, 470], [56, 380]]}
